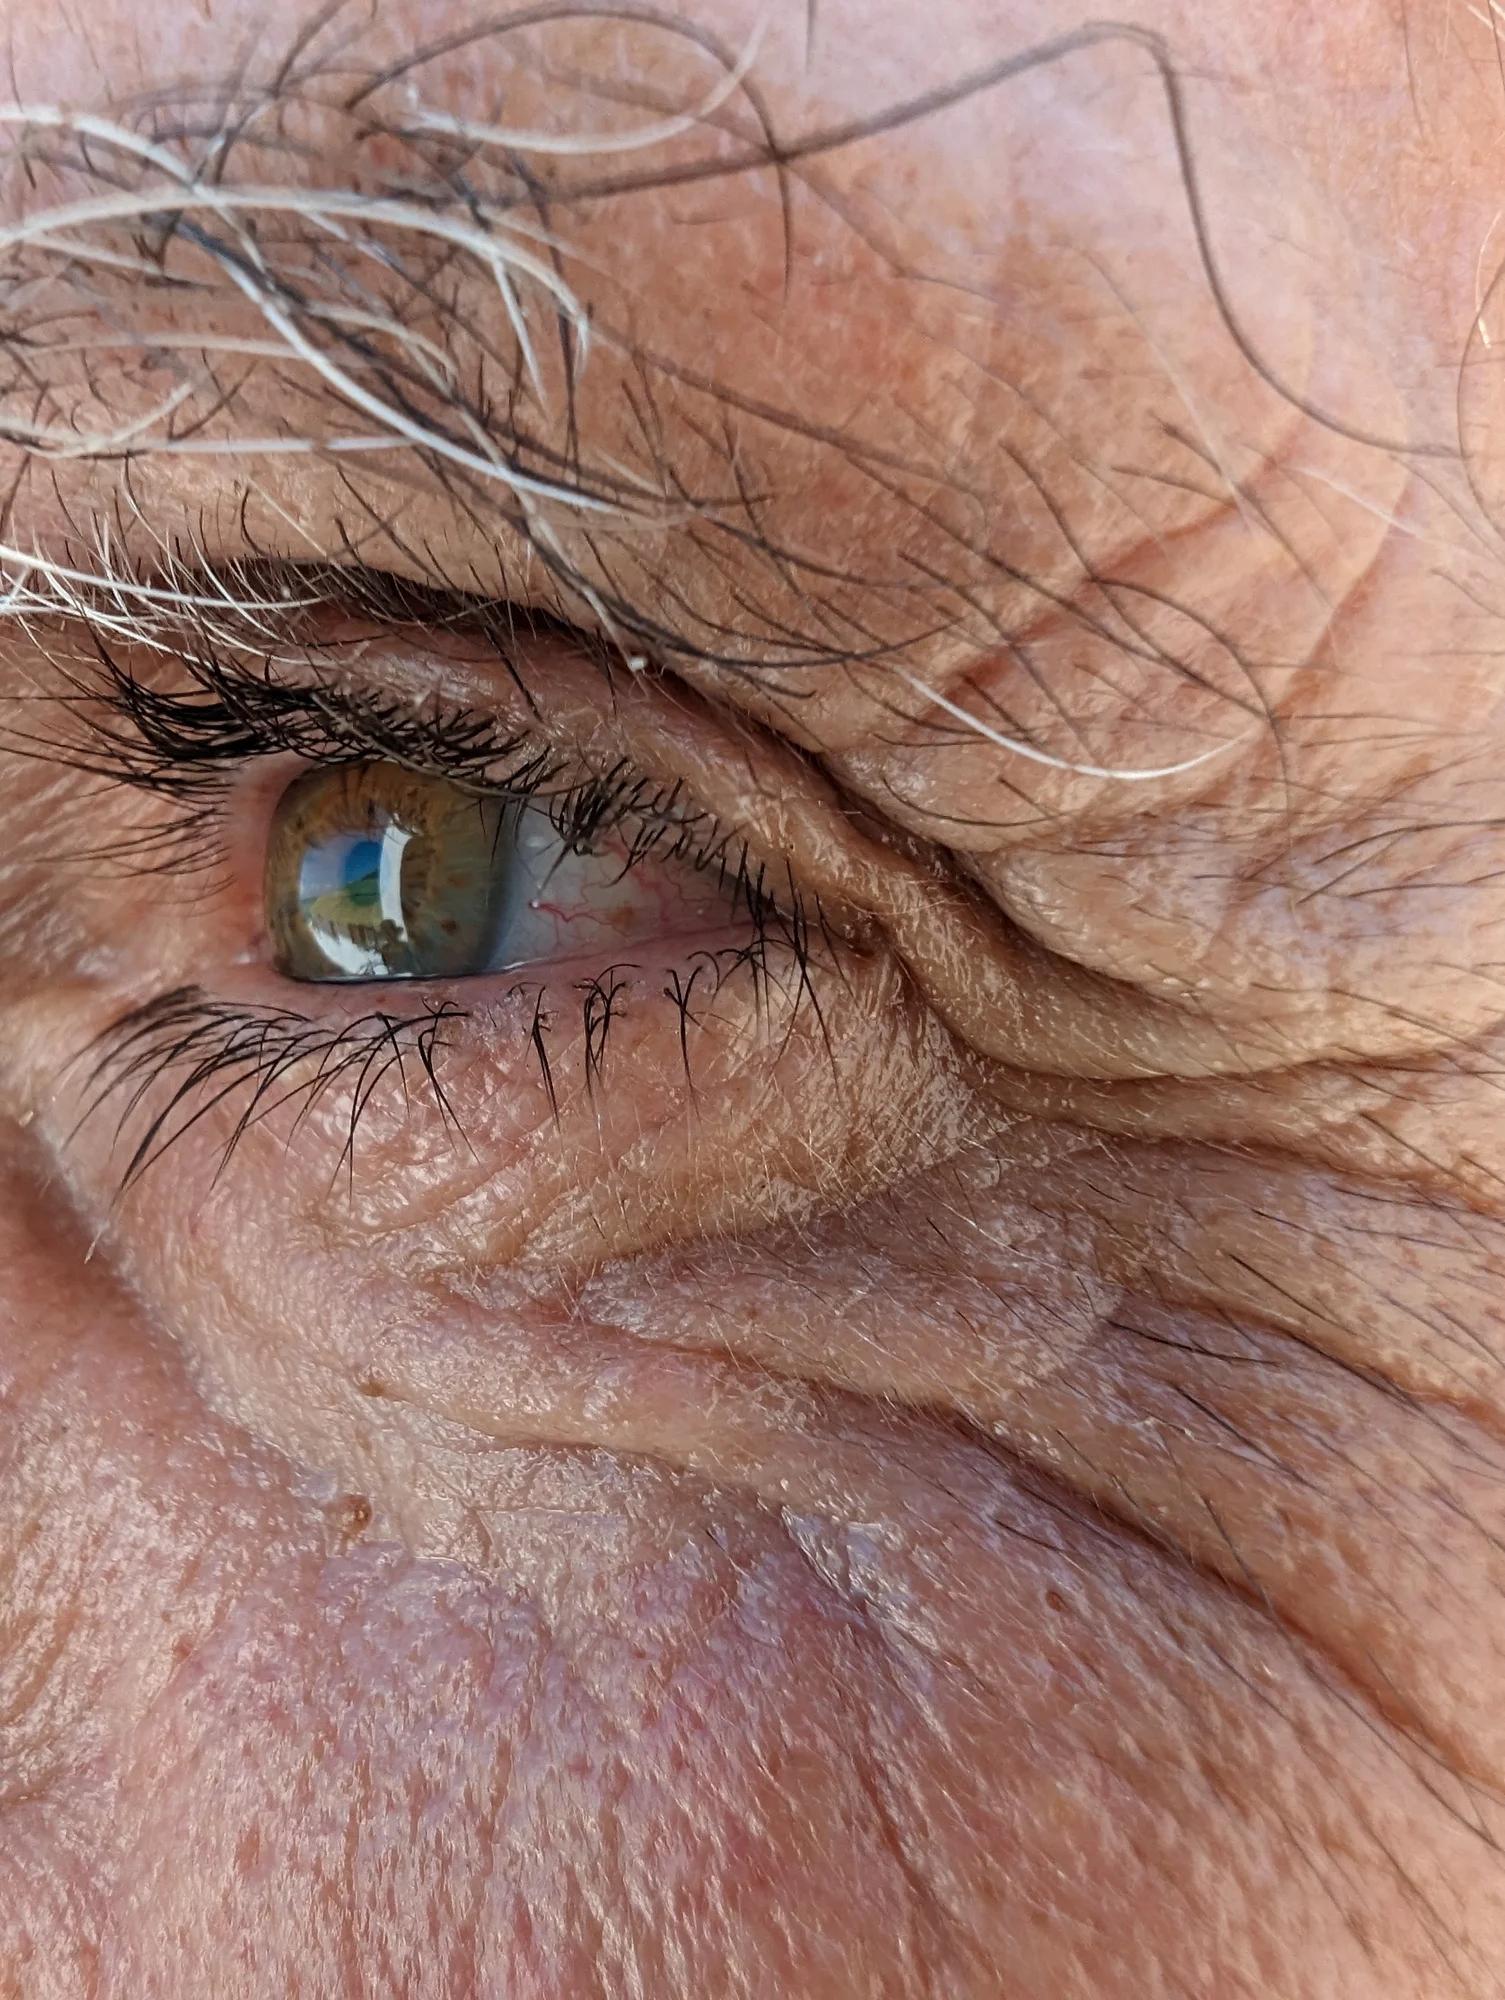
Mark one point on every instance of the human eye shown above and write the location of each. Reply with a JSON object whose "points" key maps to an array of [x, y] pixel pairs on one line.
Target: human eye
{"points": [[375, 872], [380, 869], [416, 839], [357, 885]]}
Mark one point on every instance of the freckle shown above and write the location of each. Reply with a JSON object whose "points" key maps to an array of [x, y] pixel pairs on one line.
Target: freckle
{"points": [[371, 1385]]}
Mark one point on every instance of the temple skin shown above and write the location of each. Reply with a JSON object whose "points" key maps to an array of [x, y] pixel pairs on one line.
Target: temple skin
{"points": [[979, 1474]]}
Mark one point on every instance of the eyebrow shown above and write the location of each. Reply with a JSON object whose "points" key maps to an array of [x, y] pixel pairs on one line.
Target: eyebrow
{"points": [[217, 247], [208, 198]]}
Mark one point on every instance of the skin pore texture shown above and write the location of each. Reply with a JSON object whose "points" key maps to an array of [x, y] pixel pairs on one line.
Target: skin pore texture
{"points": [[945, 1437]]}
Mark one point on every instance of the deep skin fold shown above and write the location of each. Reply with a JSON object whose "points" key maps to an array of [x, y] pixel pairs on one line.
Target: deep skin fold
{"points": [[970, 1470]]}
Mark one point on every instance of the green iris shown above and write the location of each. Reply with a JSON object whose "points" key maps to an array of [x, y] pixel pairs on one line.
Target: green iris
{"points": [[374, 872]]}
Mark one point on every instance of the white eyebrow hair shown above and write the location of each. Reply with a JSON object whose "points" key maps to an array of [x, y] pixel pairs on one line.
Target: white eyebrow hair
{"points": [[497, 243], [589, 145], [1018, 748]]}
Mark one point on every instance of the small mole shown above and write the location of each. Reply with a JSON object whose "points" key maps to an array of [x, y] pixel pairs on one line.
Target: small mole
{"points": [[350, 1516], [371, 1385]]}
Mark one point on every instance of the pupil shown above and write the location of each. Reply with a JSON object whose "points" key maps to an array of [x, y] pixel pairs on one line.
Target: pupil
{"points": [[363, 876], [350, 889]]}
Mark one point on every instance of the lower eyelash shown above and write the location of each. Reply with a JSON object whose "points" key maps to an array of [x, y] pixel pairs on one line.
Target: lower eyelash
{"points": [[263, 1059], [214, 1049]]}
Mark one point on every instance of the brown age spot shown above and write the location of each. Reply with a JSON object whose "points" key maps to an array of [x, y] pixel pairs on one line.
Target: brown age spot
{"points": [[350, 1516]]}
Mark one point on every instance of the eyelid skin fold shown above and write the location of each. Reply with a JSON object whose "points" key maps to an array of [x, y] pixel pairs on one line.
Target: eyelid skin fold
{"points": [[497, 706]]}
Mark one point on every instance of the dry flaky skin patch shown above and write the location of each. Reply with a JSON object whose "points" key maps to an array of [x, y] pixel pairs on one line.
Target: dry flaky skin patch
{"points": [[948, 1441]]}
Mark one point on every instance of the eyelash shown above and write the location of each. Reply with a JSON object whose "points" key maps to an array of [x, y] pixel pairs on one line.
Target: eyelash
{"points": [[189, 746]]}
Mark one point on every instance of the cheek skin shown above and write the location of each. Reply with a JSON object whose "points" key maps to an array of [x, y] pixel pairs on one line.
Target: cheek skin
{"points": [[671, 1703], [743, 1507]]}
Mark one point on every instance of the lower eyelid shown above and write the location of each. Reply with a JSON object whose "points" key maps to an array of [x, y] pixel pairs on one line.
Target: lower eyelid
{"points": [[385, 1115], [561, 1122]]}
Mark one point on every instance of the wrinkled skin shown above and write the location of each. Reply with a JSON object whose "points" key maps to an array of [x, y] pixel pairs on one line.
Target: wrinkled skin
{"points": [[993, 1486]]}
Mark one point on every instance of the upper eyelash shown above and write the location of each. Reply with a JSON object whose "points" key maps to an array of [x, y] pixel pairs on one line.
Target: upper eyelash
{"points": [[188, 745]]}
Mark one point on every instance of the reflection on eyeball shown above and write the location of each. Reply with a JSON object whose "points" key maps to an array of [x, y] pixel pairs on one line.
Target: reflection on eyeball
{"points": [[374, 872]]}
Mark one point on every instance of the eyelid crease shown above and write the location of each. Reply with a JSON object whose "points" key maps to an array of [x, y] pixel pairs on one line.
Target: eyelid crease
{"points": [[1010, 1000]]}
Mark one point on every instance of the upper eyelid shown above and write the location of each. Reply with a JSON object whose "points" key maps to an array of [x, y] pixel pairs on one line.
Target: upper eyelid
{"points": [[238, 607], [189, 736], [756, 787]]}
